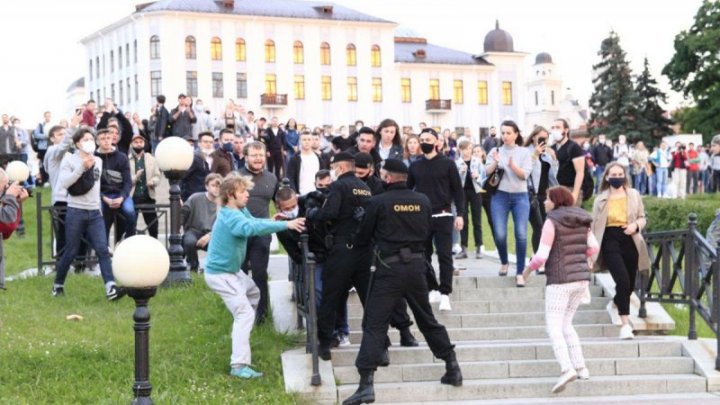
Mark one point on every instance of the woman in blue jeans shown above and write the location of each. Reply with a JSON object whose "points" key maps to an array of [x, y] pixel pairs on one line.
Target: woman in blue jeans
{"points": [[511, 196]]}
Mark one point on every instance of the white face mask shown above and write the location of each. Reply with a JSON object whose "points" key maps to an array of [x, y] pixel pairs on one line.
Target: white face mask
{"points": [[333, 175], [557, 136], [88, 147], [292, 214]]}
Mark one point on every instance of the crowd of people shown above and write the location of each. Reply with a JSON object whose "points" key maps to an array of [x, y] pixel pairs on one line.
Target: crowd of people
{"points": [[370, 196]]}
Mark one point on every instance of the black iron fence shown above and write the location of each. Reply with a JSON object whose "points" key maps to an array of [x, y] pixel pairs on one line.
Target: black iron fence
{"points": [[47, 255], [684, 269], [303, 277]]}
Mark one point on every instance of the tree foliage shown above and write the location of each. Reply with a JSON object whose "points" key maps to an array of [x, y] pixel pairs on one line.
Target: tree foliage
{"points": [[694, 70], [614, 102], [652, 122]]}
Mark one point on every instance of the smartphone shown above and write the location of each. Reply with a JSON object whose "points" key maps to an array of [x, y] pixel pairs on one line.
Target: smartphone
{"points": [[78, 111], [542, 143]]}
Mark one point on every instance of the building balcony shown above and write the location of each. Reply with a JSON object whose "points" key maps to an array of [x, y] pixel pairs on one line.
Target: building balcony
{"points": [[273, 100], [438, 106]]}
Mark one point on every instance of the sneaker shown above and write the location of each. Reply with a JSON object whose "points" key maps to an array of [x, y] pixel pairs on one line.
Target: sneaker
{"points": [[58, 291], [114, 293], [343, 340], [583, 373], [456, 249], [445, 303], [462, 254], [478, 252], [245, 372], [565, 379], [434, 296], [626, 332]]}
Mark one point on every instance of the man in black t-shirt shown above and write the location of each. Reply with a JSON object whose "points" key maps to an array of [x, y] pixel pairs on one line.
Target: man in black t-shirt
{"points": [[571, 159]]}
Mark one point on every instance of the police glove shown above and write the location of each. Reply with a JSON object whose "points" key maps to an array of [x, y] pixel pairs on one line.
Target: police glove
{"points": [[359, 214]]}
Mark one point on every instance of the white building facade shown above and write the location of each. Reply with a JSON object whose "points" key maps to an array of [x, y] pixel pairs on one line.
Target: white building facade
{"points": [[324, 65]]}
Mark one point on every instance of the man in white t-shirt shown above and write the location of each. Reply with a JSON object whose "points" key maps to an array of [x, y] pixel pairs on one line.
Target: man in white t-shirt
{"points": [[303, 166]]}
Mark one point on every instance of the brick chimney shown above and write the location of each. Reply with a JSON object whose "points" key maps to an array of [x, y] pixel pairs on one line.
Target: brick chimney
{"points": [[228, 3]]}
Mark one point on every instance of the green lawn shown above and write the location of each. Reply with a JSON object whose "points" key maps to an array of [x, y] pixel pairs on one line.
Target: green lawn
{"points": [[47, 359]]}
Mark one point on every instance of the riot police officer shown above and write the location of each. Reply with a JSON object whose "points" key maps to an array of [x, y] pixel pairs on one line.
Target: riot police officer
{"points": [[399, 222]]}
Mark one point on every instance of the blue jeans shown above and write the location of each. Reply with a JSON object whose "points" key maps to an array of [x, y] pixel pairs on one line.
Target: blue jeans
{"points": [[502, 205], [78, 223], [599, 170], [652, 184], [126, 224], [640, 181], [661, 174]]}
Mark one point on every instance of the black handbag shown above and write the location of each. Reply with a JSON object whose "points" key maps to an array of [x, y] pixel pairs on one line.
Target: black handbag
{"points": [[493, 181], [536, 217]]}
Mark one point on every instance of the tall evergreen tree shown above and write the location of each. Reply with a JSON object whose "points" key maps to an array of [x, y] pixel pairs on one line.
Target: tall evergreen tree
{"points": [[652, 122], [614, 103], [695, 70]]}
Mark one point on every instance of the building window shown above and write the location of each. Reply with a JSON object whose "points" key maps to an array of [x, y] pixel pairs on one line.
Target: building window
{"points": [[375, 60], [536, 99], [552, 97], [90, 76], [351, 53], [120, 92], [112, 92], [458, 94], [119, 57], [217, 84], [324, 53], [97, 94], [482, 92], [215, 49], [326, 88], [405, 90], [434, 89], [155, 83], [377, 89], [270, 83], [240, 50], [112, 61], [137, 89], [241, 84], [191, 83], [269, 51], [299, 87], [352, 89], [298, 56], [127, 54], [154, 48], [135, 49], [97, 67], [507, 93], [190, 48], [129, 90]]}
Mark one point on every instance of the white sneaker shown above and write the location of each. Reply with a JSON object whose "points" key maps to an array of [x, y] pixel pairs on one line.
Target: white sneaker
{"points": [[445, 303], [456, 249], [613, 312], [565, 379], [583, 374], [343, 340], [434, 296], [626, 332]]}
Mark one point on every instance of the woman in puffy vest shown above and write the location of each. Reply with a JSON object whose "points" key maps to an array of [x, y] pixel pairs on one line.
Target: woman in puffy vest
{"points": [[565, 246]]}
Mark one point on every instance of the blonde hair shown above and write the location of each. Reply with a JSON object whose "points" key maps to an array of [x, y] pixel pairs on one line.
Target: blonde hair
{"points": [[231, 183]]}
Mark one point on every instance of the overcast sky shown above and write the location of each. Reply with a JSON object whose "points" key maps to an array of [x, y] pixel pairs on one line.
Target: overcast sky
{"points": [[39, 38]]}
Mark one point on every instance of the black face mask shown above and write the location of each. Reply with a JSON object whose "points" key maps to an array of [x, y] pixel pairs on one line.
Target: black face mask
{"points": [[616, 182], [427, 148], [137, 150]]}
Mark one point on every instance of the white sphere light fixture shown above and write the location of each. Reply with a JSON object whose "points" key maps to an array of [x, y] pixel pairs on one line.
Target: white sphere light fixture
{"points": [[174, 153], [17, 171], [140, 261]]}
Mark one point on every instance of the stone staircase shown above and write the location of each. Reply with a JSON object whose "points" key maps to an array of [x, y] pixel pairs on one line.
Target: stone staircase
{"points": [[504, 352]]}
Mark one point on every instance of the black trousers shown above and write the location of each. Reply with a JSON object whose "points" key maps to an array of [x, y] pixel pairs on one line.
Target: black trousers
{"points": [[276, 164], [391, 284], [537, 219], [150, 216], [473, 202], [621, 258], [189, 241], [441, 230], [485, 199], [256, 261], [346, 268]]}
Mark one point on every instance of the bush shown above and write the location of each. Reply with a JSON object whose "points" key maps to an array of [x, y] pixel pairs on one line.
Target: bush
{"points": [[666, 215]]}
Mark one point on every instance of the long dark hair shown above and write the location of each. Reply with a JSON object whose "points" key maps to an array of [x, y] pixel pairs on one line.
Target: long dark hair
{"points": [[531, 138], [513, 125], [388, 122]]}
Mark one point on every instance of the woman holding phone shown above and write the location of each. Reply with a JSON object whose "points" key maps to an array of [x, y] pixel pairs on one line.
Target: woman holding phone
{"points": [[544, 169]]}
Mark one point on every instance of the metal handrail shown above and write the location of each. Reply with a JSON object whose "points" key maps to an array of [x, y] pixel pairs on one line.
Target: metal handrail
{"points": [[305, 301], [684, 269]]}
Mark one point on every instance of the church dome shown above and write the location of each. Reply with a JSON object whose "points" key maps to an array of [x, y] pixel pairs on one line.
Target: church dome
{"points": [[543, 57], [498, 40]]}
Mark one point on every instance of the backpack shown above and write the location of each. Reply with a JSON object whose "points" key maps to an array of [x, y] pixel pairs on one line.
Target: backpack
{"points": [[84, 184], [588, 185]]}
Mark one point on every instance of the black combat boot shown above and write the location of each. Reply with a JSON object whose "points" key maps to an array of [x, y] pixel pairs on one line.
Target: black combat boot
{"points": [[324, 352], [384, 359], [407, 339], [452, 376], [365, 393]]}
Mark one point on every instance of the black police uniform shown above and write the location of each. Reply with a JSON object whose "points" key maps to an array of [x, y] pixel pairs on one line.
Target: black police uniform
{"points": [[399, 223]]}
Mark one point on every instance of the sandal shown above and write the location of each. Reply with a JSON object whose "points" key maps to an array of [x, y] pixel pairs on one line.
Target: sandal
{"points": [[519, 281], [504, 269]]}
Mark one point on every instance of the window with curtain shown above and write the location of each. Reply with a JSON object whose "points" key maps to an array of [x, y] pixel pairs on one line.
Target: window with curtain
{"points": [[299, 87], [482, 92], [375, 60], [240, 50], [270, 51], [217, 84], [298, 55], [352, 88], [326, 88], [154, 48], [458, 93], [434, 89], [190, 49], [351, 54], [191, 83], [405, 90], [215, 49], [377, 89], [507, 98], [241, 84], [324, 53], [270, 83]]}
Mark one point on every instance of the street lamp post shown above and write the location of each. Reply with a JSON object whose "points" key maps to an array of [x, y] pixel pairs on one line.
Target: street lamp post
{"points": [[174, 157], [140, 264]]}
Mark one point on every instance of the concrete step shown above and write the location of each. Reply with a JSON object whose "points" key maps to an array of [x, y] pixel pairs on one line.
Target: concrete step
{"points": [[501, 333], [468, 282], [496, 294], [496, 307], [523, 350], [482, 389], [451, 320], [520, 369]]}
